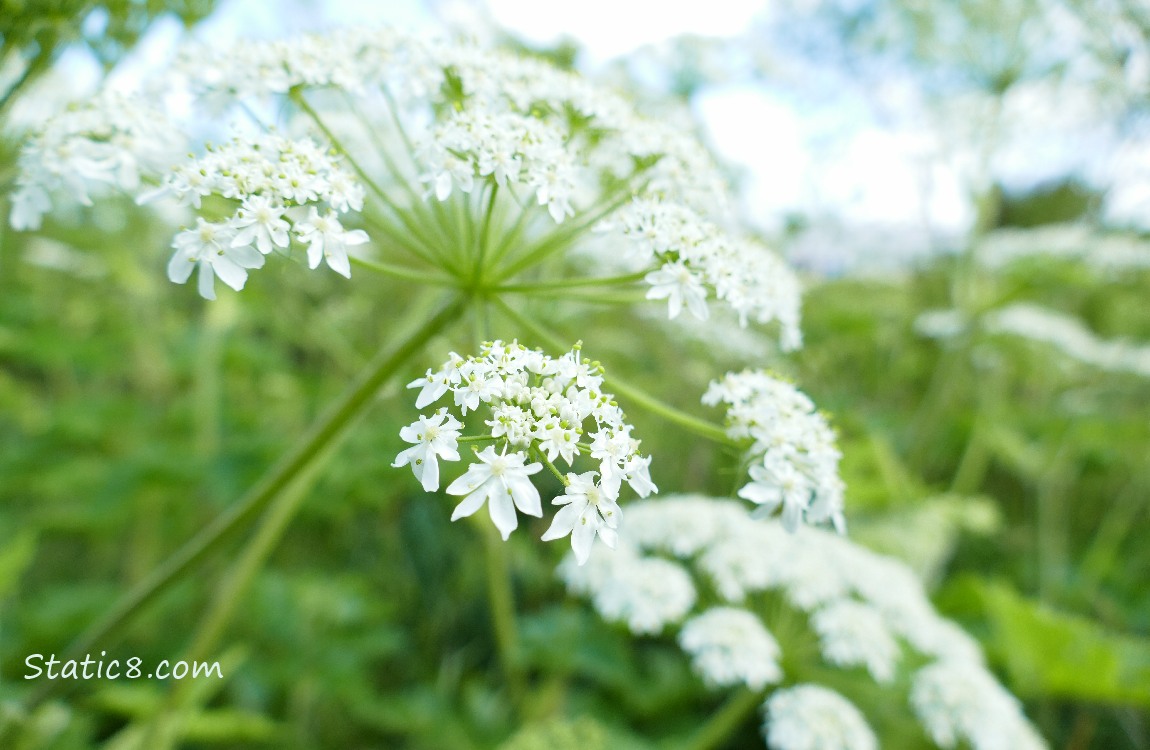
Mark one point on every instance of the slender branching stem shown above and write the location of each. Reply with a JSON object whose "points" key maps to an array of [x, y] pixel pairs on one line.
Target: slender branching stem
{"points": [[717, 731], [632, 393]]}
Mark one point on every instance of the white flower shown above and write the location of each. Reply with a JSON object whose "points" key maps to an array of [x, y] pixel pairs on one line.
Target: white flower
{"points": [[675, 283], [852, 633], [328, 240], [863, 607], [209, 247], [812, 717], [108, 141], [587, 511], [274, 178], [501, 481], [730, 646], [645, 593], [435, 437], [957, 700], [29, 204], [795, 459], [779, 484], [548, 405], [262, 222]]}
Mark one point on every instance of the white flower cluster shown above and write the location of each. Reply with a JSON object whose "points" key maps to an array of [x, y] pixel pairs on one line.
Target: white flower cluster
{"points": [[109, 142], [960, 702], [487, 116], [506, 146], [644, 593], [281, 188], [431, 79], [812, 717], [1109, 253], [863, 608], [696, 256], [793, 457], [541, 407], [729, 646], [1070, 336]]}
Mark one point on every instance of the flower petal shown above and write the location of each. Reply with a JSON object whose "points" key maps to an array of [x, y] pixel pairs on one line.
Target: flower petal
{"points": [[564, 522], [502, 511]]}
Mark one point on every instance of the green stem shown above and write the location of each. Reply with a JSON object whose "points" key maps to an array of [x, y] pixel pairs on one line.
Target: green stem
{"points": [[598, 297], [547, 462], [436, 207], [699, 426], [574, 283], [509, 238], [291, 465], [411, 226], [378, 222], [670, 413], [502, 600], [724, 722], [485, 234], [561, 237], [402, 272], [165, 728]]}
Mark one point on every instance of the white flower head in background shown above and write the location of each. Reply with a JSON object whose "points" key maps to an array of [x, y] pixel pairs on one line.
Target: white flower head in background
{"points": [[731, 646], [862, 610], [108, 143], [791, 448], [812, 717]]}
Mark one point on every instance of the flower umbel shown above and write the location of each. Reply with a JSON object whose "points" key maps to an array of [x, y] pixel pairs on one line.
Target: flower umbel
{"points": [[791, 448], [541, 410]]}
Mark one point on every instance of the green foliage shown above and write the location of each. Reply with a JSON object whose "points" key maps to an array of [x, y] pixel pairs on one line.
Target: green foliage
{"points": [[1046, 652]]}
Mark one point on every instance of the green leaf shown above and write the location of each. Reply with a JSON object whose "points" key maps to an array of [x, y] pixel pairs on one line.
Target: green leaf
{"points": [[1050, 653], [15, 557]]}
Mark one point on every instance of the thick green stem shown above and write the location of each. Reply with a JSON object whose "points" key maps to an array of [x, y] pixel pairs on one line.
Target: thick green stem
{"points": [[165, 728], [325, 431], [484, 235], [502, 601], [724, 722]]}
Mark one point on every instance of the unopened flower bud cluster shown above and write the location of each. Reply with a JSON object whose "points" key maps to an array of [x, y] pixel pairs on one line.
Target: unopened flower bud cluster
{"points": [[540, 407], [793, 456], [691, 563], [281, 189]]}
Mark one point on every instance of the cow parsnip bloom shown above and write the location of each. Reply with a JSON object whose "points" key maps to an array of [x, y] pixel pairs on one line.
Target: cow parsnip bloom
{"points": [[865, 612], [730, 646], [106, 144], [813, 717], [542, 410], [791, 450], [440, 161], [465, 162]]}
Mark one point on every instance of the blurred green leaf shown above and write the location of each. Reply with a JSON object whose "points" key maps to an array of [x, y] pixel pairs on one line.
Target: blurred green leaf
{"points": [[1046, 652]]}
